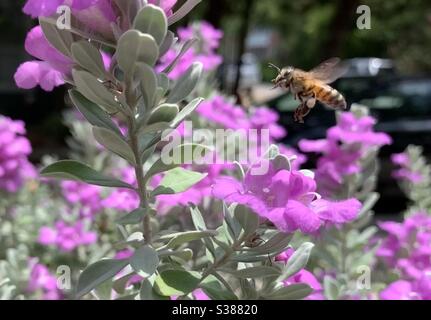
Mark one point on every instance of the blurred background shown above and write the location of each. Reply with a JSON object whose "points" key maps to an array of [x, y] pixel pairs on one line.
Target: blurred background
{"points": [[389, 69]]}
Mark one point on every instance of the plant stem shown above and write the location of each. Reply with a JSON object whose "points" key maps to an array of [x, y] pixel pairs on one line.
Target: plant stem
{"points": [[139, 172]]}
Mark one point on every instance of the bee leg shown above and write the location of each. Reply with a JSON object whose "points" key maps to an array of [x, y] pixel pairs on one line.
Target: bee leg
{"points": [[301, 112], [307, 103]]}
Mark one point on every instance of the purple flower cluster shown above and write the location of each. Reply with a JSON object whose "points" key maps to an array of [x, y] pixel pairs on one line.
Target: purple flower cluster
{"points": [[221, 112], [345, 145], [303, 276], [204, 51], [86, 196], [407, 250], [286, 198], [405, 172], [41, 280], [51, 68], [123, 199], [14, 150], [67, 237]]}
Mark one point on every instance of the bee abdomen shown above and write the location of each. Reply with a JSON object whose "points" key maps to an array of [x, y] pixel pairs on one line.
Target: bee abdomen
{"points": [[331, 97]]}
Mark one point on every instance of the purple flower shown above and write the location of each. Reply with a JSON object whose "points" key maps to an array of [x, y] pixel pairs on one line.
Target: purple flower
{"points": [[409, 290], [94, 14], [286, 198], [346, 144], [14, 150], [209, 36], [407, 245], [42, 280], [351, 129], [67, 237], [406, 172], [204, 51], [51, 68], [220, 111], [86, 196], [166, 5], [49, 71], [123, 199], [265, 118]]}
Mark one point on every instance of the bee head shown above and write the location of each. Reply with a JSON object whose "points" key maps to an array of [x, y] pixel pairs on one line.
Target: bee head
{"points": [[284, 76]]}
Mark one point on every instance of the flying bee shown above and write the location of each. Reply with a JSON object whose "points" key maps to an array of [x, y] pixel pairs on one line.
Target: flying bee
{"points": [[309, 87]]}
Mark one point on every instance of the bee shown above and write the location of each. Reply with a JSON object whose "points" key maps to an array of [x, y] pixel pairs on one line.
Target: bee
{"points": [[309, 87]]}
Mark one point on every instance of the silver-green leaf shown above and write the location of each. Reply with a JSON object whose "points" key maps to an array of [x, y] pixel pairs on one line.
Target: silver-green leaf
{"points": [[98, 273], [74, 170], [115, 143], [135, 47], [94, 90], [186, 84], [145, 261], [152, 20], [88, 57]]}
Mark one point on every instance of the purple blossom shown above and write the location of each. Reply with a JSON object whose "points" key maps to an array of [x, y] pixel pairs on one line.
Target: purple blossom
{"points": [[94, 14], [220, 111], [14, 150], [407, 245], [286, 198], [204, 51], [406, 171], [41, 280], [86, 196], [209, 36], [123, 199], [166, 5], [346, 144], [265, 118], [408, 290], [51, 68], [67, 237]]}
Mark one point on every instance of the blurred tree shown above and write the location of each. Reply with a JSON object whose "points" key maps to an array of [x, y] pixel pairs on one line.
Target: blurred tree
{"points": [[313, 30]]}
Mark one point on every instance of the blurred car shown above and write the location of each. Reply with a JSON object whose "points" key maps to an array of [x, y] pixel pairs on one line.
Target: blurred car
{"points": [[250, 72]]}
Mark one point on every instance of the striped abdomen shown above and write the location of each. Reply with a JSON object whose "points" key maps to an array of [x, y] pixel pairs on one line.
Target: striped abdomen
{"points": [[329, 96]]}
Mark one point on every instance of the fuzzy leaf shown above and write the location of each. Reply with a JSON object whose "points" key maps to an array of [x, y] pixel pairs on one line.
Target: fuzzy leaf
{"points": [[135, 47], [185, 112], [92, 112], [97, 273], [94, 90], [148, 84], [186, 84], [145, 261], [60, 39], [293, 292], [176, 282], [178, 180], [74, 170], [115, 143], [163, 113], [88, 57], [254, 272], [134, 217], [152, 20], [297, 261]]}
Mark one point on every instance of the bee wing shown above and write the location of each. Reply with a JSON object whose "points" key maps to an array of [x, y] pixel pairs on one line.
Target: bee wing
{"points": [[329, 70]]}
